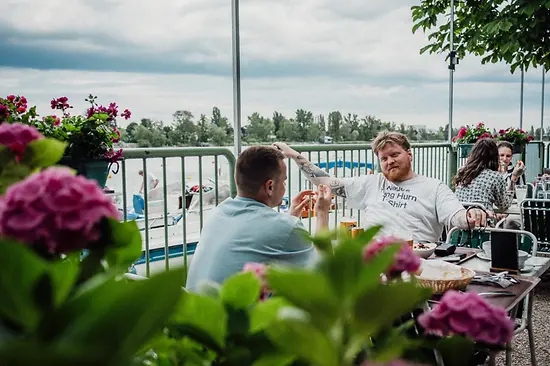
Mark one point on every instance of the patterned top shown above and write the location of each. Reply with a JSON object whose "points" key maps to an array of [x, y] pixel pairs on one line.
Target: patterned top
{"points": [[489, 189]]}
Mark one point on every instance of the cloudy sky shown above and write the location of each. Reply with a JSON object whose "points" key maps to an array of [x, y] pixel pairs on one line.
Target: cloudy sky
{"points": [[155, 57]]}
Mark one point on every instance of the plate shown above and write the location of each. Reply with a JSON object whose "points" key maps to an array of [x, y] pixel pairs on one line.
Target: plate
{"points": [[482, 255], [527, 268]]}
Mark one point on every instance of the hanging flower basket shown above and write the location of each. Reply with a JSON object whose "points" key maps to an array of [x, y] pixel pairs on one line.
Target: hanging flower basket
{"points": [[97, 170], [468, 136]]}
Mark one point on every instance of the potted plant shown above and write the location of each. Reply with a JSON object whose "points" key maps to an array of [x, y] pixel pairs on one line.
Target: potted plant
{"points": [[349, 309], [517, 137], [468, 136], [62, 254], [90, 138]]}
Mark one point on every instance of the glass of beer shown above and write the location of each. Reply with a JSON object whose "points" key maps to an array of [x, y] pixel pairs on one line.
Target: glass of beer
{"points": [[356, 231], [348, 223]]}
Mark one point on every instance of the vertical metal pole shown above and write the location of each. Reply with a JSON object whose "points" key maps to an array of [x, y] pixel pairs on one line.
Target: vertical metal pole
{"points": [[236, 77], [542, 104], [521, 100], [451, 69], [452, 56]]}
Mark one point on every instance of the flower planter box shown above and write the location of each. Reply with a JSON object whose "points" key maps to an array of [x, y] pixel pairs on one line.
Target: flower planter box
{"points": [[464, 150], [518, 149], [97, 170]]}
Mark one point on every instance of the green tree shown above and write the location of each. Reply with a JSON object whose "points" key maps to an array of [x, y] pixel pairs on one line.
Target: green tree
{"points": [[203, 130], [334, 122], [304, 120], [278, 118], [288, 130], [149, 137], [322, 124], [221, 121], [130, 131], [259, 128], [218, 135], [514, 31], [185, 130]]}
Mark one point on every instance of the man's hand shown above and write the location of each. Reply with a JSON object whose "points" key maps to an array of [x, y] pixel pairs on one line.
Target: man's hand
{"points": [[476, 218], [324, 199], [301, 202], [285, 149]]}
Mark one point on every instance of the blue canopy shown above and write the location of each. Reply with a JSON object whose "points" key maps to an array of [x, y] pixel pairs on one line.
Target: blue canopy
{"points": [[341, 163]]}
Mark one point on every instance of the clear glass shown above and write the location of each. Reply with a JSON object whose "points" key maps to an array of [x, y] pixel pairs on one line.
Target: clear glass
{"points": [[521, 192]]}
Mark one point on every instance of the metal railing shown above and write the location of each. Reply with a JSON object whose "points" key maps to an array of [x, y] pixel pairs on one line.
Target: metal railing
{"points": [[168, 156]]}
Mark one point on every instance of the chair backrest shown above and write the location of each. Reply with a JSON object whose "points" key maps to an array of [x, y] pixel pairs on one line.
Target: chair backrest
{"points": [[535, 217], [527, 241], [467, 238]]}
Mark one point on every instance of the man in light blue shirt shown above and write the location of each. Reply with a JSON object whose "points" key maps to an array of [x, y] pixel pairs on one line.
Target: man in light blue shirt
{"points": [[247, 228]]}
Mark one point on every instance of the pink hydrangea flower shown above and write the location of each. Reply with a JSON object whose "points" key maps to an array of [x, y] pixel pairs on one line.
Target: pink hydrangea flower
{"points": [[55, 209], [404, 261], [259, 269], [16, 136], [470, 315]]}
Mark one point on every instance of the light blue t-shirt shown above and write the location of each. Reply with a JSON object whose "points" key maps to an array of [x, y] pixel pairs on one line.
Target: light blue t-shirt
{"points": [[242, 230]]}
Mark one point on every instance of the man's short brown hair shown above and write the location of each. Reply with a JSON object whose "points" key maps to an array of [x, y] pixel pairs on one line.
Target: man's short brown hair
{"points": [[255, 166], [389, 137]]}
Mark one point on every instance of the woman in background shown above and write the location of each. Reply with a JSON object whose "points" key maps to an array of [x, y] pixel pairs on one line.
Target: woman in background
{"points": [[479, 180], [511, 172]]}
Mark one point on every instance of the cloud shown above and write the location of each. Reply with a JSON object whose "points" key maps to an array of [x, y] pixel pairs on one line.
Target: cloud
{"points": [[322, 55]]}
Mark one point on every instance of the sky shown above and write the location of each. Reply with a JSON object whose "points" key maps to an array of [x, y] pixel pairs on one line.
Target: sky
{"points": [[356, 56]]}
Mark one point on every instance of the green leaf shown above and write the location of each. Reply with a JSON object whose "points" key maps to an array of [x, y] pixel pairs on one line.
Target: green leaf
{"points": [[455, 350], [265, 312], [275, 360], [126, 240], [322, 240], [43, 153], [202, 318], [241, 290], [22, 271], [397, 299], [307, 290], [114, 319], [297, 337], [13, 173]]}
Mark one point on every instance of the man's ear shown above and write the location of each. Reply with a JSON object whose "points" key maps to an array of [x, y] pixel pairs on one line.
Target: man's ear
{"points": [[268, 185]]}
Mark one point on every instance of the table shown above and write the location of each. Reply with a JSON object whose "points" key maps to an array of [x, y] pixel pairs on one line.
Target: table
{"points": [[528, 282]]}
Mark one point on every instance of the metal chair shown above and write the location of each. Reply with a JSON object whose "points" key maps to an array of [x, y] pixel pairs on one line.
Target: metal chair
{"points": [[527, 315], [535, 217]]}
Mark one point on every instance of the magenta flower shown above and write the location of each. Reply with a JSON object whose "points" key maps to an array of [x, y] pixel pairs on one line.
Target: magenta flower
{"points": [[4, 112], [259, 269], [462, 132], [60, 103], [16, 136], [468, 315], [404, 261], [126, 114], [55, 210]]}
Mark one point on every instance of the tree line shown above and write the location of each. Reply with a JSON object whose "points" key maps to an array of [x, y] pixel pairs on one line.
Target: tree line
{"points": [[302, 127]]}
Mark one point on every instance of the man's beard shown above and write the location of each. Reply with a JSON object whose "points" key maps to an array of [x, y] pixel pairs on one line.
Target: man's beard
{"points": [[398, 174]]}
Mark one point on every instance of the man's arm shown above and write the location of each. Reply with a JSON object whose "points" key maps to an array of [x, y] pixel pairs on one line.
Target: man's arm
{"points": [[313, 173]]}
